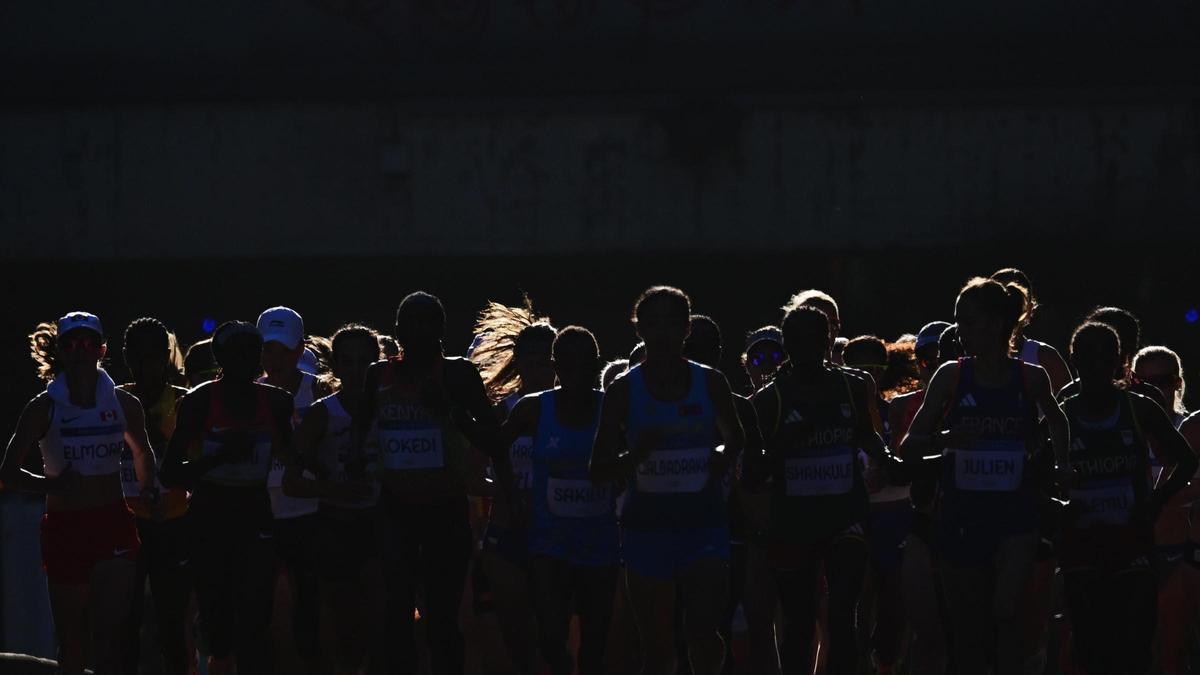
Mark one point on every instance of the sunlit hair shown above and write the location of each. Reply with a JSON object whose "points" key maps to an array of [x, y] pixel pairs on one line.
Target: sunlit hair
{"points": [[175, 371], [346, 334], [903, 372], [576, 335], [814, 298], [866, 351], [42, 343], [1094, 330], [806, 334], [1006, 302], [1128, 328], [200, 362], [892, 364], [611, 371], [504, 334], [745, 357], [388, 346], [1161, 353], [1012, 275], [323, 348], [675, 296], [148, 328]]}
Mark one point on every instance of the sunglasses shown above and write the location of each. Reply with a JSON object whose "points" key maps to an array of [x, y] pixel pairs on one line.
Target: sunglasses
{"points": [[761, 358], [82, 344], [1163, 382]]}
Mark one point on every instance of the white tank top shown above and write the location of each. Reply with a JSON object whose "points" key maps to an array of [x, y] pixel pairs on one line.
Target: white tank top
{"points": [[520, 452], [89, 439], [1030, 352], [283, 506], [334, 450]]}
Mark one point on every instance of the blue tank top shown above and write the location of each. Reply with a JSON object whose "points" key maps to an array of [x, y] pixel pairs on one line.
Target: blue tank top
{"points": [[989, 477], [1111, 460], [673, 490], [573, 518]]}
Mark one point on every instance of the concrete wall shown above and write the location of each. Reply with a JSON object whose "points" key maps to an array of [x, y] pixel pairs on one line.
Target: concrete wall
{"points": [[259, 180]]}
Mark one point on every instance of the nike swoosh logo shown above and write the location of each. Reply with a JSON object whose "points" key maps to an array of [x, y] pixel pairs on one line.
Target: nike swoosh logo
{"points": [[263, 536], [121, 551], [1173, 558], [183, 563], [68, 420]]}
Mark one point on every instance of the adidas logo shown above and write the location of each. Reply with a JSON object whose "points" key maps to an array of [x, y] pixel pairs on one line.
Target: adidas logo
{"points": [[1077, 444], [968, 401], [794, 417]]}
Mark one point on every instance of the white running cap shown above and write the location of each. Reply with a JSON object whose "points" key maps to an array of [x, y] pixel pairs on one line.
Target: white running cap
{"points": [[282, 325], [74, 320], [308, 362]]}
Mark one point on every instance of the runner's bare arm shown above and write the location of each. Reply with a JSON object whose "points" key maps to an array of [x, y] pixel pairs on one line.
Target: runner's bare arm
{"points": [[32, 425], [610, 459], [137, 439], [920, 440], [1038, 385], [729, 425], [1177, 456], [178, 470]]}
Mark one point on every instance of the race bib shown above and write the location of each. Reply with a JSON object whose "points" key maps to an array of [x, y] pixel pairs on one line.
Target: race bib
{"points": [[405, 449], [1104, 502], [129, 482], [520, 455], [275, 477], [251, 469], [824, 472], [684, 470], [991, 466], [577, 498]]}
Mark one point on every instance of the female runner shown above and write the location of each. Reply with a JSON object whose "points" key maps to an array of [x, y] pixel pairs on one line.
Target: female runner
{"points": [[89, 539], [814, 419], [227, 432], [894, 369], [1108, 530], [658, 428], [573, 527], [1162, 368], [986, 522], [704, 346], [763, 355], [297, 595], [1029, 350], [512, 353], [165, 551], [345, 537], [429, 410], [927, 638]]}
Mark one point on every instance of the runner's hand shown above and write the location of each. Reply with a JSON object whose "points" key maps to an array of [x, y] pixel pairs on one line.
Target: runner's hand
{"points": [[718, 466], [151, 496], [64, 483], [875, 475]]}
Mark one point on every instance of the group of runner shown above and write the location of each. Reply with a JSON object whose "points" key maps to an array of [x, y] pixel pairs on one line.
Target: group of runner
{"points": [[869, 505]]}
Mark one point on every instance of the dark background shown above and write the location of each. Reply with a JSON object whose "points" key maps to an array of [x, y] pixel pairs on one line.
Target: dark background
{"points": [[210, 160]]}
